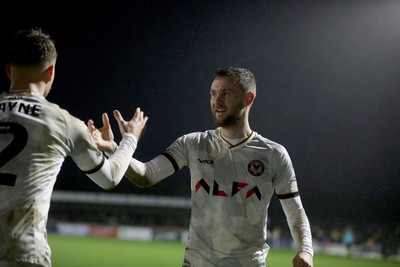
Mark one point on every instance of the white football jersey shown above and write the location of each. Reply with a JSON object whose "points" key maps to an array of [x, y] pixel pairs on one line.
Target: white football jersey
{"points": [[231, 189], [35, 138]]}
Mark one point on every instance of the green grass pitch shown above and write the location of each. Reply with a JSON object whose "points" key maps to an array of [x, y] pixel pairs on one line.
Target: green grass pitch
{"points": [[70, 251]]}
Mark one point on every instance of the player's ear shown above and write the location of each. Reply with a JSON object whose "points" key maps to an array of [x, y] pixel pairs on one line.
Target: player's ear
{"points": [[250, 98], [8, 70], [50, 72]]}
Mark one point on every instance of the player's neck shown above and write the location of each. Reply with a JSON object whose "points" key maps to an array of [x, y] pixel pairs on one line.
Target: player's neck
{"points": [[27, 88], [235, 132]]}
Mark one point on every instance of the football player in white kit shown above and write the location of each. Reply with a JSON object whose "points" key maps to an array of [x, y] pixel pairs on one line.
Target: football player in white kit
{"points": [[35, 138], [234, 172]]}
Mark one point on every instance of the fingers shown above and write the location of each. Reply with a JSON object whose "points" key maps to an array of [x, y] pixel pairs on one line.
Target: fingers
{"points": [[90, 123], [121, 122], [145, 119], [135, 125], [106, 120], [139, 116], [138, 113], [118, 116]]}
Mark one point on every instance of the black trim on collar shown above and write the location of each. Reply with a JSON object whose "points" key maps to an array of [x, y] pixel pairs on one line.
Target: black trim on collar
{"points": [[238, 144]]}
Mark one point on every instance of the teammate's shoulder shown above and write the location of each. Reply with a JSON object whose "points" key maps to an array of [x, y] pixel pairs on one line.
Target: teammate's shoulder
{"points": [[58, 110], [63, 116]]}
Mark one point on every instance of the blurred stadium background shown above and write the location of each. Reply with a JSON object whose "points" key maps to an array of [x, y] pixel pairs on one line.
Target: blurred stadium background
{"points": [[166, 218]]}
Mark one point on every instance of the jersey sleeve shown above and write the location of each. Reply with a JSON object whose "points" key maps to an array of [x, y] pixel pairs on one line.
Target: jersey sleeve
{"points": [[83, 149], [162, 166], [285, 179], [298, 223], [179, 150], [105, 172]]}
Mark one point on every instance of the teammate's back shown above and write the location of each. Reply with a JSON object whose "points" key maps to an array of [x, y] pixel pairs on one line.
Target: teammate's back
{"points": [[35, 138]]}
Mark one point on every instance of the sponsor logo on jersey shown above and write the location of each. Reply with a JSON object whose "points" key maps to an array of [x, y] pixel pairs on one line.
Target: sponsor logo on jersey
{"points": [[206, 161], [236, 188], [99, 154], [255, 167]]}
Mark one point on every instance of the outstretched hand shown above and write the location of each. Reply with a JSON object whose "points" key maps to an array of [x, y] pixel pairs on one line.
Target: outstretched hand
{"points": [[135, 126], [104, 136]]}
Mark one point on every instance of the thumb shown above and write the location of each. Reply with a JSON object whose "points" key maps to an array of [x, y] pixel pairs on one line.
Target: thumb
{"points": [[120, 120], [90, 123], [106, 121], [118, 116]]}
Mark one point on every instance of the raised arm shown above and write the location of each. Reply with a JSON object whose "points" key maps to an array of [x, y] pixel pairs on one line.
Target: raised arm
{"points": [[111, 170], [139, 173], [149, 173], [104, 137]]}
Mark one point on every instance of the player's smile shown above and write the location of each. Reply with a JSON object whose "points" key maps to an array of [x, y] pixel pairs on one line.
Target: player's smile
{"points": [[220, 110], [220, 113]]}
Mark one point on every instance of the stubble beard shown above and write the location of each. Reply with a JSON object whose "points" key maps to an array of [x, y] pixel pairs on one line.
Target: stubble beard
{"points": [[231, 119], [228, 121]]}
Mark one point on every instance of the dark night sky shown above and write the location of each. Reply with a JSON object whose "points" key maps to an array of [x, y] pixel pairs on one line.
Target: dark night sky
{"points": [[328, 75]]}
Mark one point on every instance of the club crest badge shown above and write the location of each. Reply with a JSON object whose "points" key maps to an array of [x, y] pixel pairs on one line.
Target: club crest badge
{"points": [[255, 167]]}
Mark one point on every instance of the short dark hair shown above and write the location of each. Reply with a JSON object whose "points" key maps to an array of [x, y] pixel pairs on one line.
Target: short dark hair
{"points": [[31, 47], [243, 77]]}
